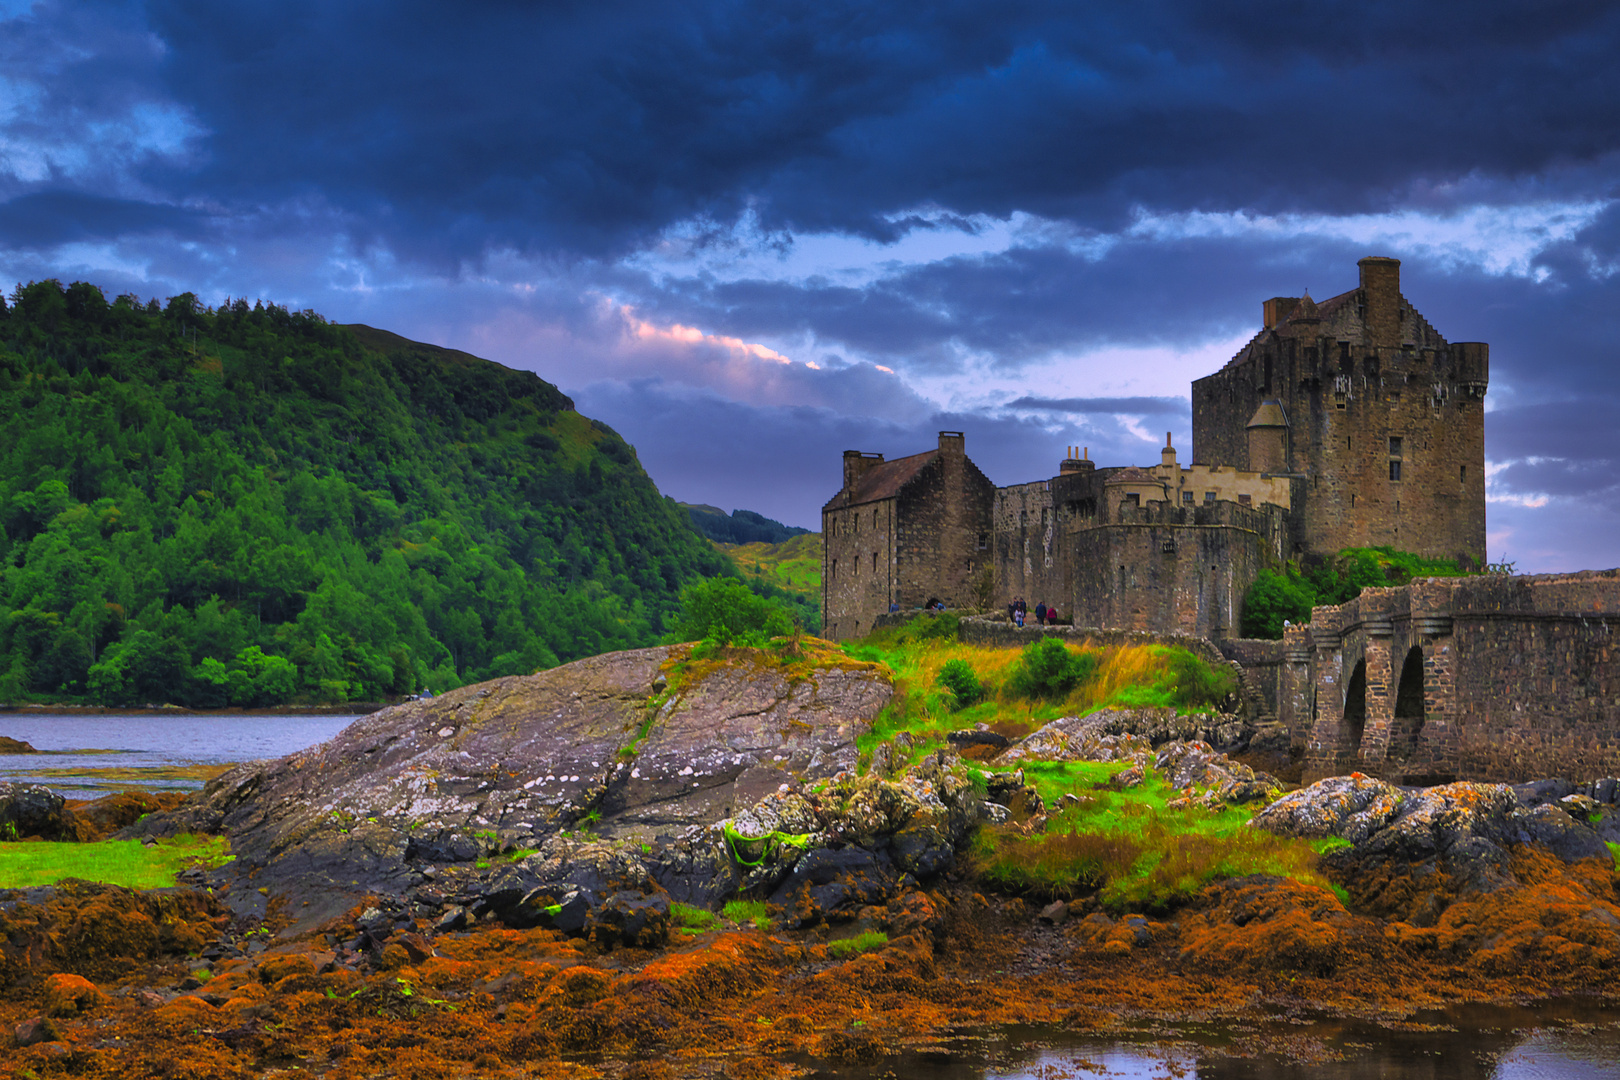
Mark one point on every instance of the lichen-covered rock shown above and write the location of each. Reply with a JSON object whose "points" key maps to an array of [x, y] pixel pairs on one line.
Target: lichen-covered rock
{"points": [[1352, 807], [1189, 765], [1122, 734], [514, 762]]}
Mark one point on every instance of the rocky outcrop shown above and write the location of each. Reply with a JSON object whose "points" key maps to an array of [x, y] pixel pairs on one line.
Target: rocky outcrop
{"points": [[1463, 828], [1211, 777], [1116, 734], [610, 744], [15, 746]]}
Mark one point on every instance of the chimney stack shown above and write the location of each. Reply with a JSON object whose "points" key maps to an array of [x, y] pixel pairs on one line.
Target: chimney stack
{"points": [[1381, 292]]}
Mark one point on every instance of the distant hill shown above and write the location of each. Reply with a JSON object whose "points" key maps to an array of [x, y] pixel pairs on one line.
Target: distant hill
{"points": [[249, 505], [789, 571], [740, 526]]}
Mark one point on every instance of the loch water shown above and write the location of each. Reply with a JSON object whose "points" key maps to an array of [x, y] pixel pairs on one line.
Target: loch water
{"points": [[1565, 1039], [85, 756]]}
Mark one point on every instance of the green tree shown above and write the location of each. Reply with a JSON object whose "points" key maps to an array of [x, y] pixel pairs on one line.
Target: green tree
{"points": [[725, 611]]}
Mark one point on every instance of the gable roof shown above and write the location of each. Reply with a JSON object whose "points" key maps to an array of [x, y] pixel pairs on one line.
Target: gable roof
{"points": [[883, 481]]}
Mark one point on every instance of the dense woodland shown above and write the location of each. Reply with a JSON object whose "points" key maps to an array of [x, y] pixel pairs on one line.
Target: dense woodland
{"points": [[249, 506]]}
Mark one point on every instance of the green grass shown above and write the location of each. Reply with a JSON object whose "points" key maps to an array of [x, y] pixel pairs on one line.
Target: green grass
{"points": [[1130, 847], [1614, 849], [690, 920], [747, 912], [872, 939], [115, 862], [919, 653]]}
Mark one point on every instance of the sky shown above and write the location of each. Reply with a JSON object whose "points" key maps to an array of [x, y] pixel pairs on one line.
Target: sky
{"points": [[752, 236]]}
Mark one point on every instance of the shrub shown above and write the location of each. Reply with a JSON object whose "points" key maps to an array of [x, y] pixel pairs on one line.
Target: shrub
{"points": [[1272, 599], [1049, 669], [958, 677], [724, 611]]}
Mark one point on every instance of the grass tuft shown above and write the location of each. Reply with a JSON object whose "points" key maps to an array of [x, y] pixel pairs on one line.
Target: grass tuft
{"points": [[846, 947], [690, 920], [747, 912]]}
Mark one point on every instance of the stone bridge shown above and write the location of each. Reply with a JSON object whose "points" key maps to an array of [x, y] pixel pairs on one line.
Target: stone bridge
{"points": [[1493, 677]]}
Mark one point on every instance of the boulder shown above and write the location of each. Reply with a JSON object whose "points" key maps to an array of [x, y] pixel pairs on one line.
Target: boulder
{"points": [[1123, 734], [1554, 828], [33, 810], [1352, 807], [1199, 765], [827, 884]]}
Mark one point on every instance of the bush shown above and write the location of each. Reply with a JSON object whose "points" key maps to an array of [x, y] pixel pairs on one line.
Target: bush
{"points": [[1049, 669], [1273, 598], [958, 677], [724, 611]]}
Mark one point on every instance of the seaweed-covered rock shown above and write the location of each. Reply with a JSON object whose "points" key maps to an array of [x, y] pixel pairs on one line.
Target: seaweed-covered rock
{"points": [[828, 884]]}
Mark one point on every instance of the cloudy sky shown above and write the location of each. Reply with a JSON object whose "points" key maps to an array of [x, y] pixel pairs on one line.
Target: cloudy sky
{"points": [[752, 235]]}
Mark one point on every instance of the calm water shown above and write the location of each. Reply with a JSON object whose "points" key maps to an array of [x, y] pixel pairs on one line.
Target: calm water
{"points": [[86, 756], [1556, 1041]]}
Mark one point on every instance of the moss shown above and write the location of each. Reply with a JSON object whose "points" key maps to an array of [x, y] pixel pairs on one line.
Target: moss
{"points": [[691, 919], [846, 947]]}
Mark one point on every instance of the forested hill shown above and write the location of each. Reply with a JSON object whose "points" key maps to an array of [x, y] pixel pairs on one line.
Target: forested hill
{"points": [[250, 505]]}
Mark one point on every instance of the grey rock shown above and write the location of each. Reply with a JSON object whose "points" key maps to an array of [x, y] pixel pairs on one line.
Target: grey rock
{"points": [[34, 810], [1352, 807]]}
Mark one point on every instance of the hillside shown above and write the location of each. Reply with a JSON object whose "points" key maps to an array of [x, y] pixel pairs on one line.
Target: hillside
{"points": [[250, 505], [789, 571]]}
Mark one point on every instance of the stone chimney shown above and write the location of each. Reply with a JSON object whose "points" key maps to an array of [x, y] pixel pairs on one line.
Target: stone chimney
{"points": [[1381, 293], [1076, 459], [952, 443], [856, 464], [1167, 456], [1278, 308]]}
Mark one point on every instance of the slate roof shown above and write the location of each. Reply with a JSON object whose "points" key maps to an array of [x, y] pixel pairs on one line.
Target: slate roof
{"points": [[883, 481]]}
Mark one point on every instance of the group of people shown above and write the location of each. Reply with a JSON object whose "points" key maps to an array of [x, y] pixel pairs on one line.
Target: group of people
{"points": [[1017, 611]]}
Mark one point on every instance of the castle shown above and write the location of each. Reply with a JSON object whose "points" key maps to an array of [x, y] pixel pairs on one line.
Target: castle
{"points": [[1345, 423]]}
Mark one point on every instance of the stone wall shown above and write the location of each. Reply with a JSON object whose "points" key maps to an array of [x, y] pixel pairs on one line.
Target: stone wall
{"points": [[1491, 678], [1262, 663], [1177, 569], [857, 567]]}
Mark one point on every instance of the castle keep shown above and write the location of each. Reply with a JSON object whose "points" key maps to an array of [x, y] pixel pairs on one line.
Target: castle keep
{"points": [[1349, 423]]}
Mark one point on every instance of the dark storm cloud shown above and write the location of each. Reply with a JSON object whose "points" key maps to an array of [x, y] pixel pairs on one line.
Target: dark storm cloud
{"points": [[589, 127], [59, 217]]}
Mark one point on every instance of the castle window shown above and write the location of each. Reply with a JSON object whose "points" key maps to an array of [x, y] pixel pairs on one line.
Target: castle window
{"points": [[1243, 499], [855, 566], [1352, 499], [857, 523], [1209, 496], [984, 541], [874, 562], [1462, 473], [834, 574], [1133, 499], [1186, 496], [874, 521], [1395, 469], [1394, 446]]}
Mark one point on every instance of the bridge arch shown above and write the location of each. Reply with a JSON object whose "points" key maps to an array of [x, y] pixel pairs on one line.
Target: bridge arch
{"points": [[1353, 725]]}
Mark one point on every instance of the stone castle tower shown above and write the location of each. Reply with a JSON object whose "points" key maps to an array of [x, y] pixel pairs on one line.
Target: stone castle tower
{"points": [[1376, 417]]}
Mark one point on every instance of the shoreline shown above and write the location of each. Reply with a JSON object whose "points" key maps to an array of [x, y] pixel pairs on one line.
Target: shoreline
{"points": [[353, 708]]}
